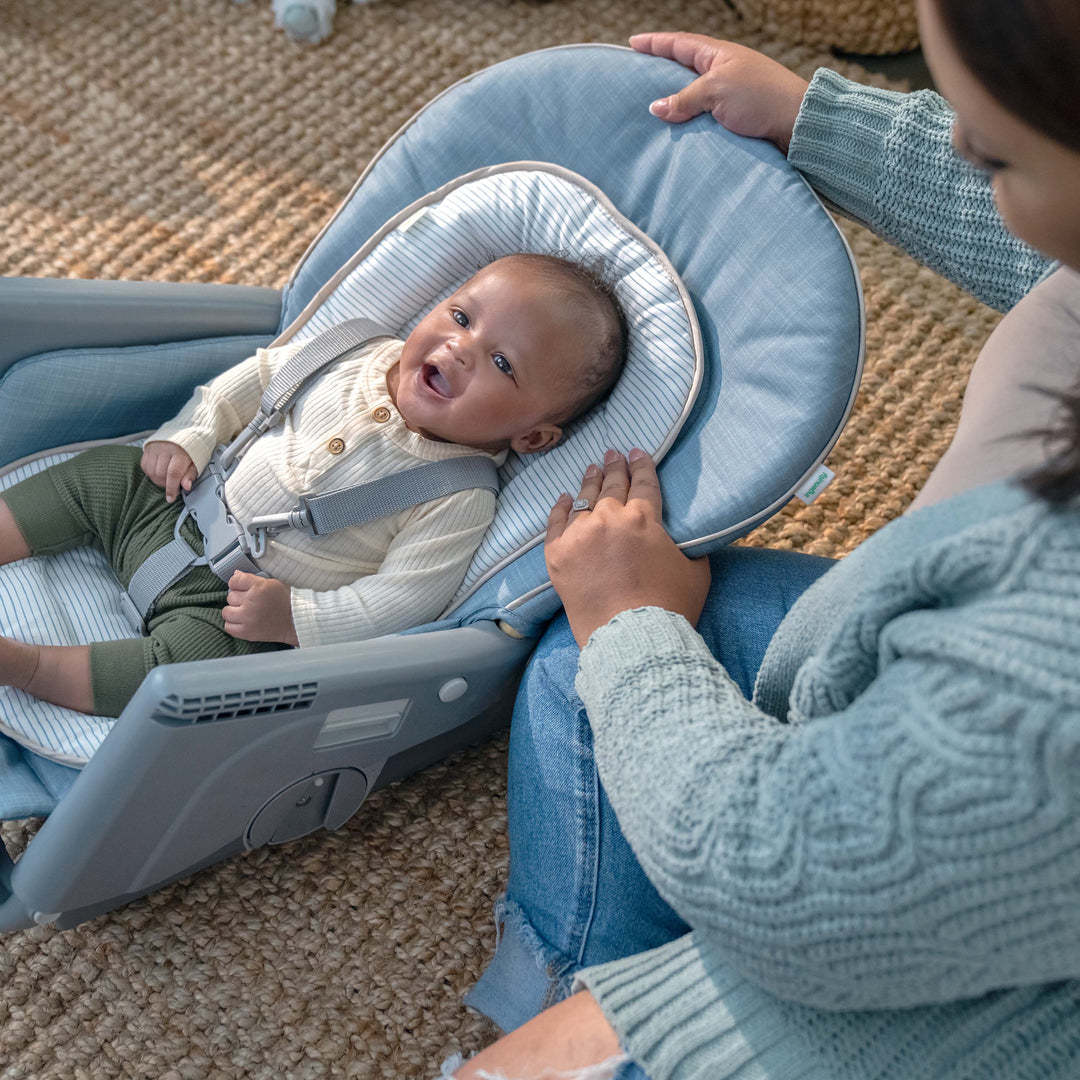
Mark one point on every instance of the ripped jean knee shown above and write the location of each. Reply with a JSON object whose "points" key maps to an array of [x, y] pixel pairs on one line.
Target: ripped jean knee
{"points": [[526, 974]]}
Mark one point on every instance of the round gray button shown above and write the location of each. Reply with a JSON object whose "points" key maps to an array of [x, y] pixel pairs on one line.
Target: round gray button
{"points": [[452, 690]]}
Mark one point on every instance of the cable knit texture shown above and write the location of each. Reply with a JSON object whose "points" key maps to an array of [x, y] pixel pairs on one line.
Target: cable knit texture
{"points": [[377, 578], [910, 836], [880, 854]]}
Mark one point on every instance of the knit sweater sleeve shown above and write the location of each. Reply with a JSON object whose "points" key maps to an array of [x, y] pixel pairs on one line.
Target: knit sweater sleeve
{"points": [[426, 562], [917, 844], [886, 159]]}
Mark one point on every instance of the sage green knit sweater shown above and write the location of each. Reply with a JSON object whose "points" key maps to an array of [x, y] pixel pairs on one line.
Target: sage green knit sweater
{"points": [[880, 856]]}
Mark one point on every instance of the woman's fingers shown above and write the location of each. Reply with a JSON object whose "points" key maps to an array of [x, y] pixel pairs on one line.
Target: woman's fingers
{"points": [[644, 483], [697, 98], [616, 483], [563, 511], [558, 518], [590, 485], [691, 50]]}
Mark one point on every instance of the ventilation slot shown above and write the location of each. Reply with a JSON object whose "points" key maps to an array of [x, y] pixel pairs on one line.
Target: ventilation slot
{"points": [[262, 702]]}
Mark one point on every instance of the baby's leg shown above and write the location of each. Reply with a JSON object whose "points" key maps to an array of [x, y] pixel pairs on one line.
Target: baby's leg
{"points": [[102, 678], [103, 497], [99, 497], [56, 673]]}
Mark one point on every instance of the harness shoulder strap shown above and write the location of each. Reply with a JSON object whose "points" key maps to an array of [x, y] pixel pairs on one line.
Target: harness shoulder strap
{"points": [[399, 491], [317, 352]]}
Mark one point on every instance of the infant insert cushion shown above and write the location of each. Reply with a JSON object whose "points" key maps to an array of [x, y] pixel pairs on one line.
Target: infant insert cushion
{"points": [[416, 260]]}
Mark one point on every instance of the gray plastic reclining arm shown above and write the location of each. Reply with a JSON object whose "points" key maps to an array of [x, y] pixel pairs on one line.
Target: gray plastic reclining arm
{"points": [[42, 314], [217, 757]]}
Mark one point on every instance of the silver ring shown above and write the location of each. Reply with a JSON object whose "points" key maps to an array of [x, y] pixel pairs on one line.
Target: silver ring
{"points": [[581, 504]]}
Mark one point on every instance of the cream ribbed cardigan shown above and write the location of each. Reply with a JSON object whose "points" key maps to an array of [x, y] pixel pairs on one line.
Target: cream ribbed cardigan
{"points": [[372, 579]]}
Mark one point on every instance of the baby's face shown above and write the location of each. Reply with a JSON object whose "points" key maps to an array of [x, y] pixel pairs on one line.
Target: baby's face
{"points": [[490, 365]]}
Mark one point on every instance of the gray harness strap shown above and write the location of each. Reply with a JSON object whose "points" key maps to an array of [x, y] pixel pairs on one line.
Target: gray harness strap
{"points": [[323, 349], [345, 507], [236, 548], [160, 570]]}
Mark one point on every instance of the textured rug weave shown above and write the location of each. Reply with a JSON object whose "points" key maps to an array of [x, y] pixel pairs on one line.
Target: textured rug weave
{"points": [[191, 141]]}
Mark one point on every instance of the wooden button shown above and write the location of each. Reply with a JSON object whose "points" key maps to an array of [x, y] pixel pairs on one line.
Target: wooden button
{"points": [[381, 414], [335, 446]]}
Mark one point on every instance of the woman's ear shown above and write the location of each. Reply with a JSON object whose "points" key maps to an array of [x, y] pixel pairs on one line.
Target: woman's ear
{"points": [[542, 437]]}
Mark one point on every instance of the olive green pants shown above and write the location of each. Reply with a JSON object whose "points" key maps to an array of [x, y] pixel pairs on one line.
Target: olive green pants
{"points": [[102, 497]]}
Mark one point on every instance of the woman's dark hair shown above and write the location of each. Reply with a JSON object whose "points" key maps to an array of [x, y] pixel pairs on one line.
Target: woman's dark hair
{"points": [[1026, 55]]}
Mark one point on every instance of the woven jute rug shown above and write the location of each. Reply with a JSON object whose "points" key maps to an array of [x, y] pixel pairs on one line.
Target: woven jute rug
{"points": [[189, 140]]}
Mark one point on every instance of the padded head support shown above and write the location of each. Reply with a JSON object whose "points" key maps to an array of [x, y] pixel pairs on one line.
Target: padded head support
{"points": [[770, 276]]}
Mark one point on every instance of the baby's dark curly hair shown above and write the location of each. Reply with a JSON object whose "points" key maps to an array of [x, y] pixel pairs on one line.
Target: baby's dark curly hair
{"points": [[587, 284]]}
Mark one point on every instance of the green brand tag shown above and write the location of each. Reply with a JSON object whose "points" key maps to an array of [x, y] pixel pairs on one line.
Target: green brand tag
{"points": [[815, 484]]}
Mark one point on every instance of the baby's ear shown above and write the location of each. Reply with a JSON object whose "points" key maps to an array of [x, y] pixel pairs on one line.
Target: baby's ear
{"points": [[542, 437]]}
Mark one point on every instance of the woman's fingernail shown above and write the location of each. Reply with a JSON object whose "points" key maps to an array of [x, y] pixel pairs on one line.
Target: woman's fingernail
{"points": [[636, 454], [593, 470], [611, 457], [660, 107]]}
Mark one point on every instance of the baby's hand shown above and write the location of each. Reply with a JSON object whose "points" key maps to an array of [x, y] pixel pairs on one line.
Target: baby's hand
{"points": [[169, 466], [259, 609], [743, 89]]}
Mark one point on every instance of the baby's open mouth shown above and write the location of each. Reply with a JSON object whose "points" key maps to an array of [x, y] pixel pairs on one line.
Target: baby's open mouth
{"points": [[438, 382]]}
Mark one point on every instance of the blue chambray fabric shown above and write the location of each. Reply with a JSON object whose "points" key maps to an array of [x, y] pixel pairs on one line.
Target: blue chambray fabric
{"points": [[771, 279], [71, 395], [30, 786]]}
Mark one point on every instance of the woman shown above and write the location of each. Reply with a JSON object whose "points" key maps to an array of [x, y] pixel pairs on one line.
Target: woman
{"points": [[888, 883]]}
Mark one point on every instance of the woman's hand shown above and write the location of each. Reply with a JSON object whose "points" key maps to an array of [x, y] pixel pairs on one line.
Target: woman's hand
{"points": [[743, 89], [565, 1038], [169, 466], [618, 555], [259, 609]]}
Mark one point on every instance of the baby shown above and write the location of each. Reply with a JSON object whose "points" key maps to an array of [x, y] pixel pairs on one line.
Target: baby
{"points": [[523, 347]]}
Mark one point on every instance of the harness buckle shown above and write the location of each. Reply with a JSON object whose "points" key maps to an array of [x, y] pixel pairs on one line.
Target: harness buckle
{"points": [[226, 544]]}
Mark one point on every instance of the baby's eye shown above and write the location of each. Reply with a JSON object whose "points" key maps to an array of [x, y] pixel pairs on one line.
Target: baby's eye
{"points": [[461, 318], [502, 364]]}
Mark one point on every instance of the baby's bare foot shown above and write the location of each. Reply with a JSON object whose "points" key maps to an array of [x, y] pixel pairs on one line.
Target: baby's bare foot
{"points": [[18, 662]]}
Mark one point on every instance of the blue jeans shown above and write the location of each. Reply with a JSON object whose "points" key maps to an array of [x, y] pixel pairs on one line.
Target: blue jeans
{"points": [[576, 895]]}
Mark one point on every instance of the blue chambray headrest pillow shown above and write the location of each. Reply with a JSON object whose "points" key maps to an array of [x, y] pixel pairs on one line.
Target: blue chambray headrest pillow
{"points": [[431, 247]]}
